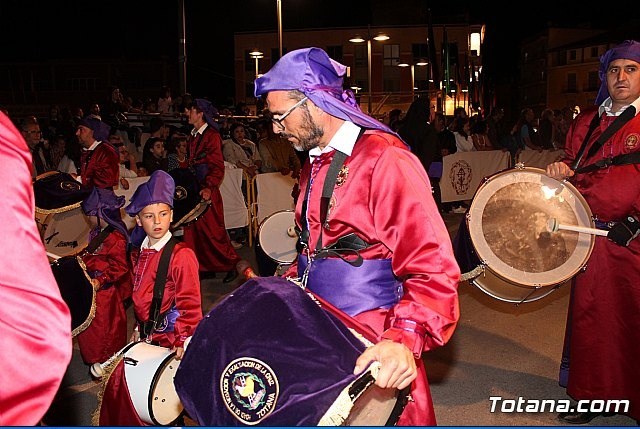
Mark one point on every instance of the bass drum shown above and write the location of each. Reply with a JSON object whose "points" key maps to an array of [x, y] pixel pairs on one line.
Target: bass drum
{"points": [[64, 233], [519, 259], [275, 246]]}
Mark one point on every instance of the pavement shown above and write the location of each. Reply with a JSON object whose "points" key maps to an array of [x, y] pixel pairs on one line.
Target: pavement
{"points": [[499, 349]]}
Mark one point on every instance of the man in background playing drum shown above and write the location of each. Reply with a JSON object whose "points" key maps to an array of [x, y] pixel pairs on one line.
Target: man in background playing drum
{"points": [[601, 352], [376, 246]]}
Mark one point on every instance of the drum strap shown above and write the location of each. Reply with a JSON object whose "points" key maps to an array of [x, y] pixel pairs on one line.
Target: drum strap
{"points": [[97, 241], [158, 288], [625, 117], [623, 159]]}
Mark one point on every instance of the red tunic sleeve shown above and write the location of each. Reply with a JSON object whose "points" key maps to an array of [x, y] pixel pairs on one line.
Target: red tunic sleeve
{"points": [[184, 274], [34, 320], [110, 259]]}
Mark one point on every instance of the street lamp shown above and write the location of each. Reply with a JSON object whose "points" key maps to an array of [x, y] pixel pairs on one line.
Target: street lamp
{"points": [[256, 55], [420, 63], [359, 39]]}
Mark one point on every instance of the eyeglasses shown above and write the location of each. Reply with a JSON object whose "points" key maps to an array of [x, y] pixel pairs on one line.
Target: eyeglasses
{"points": [[34, 132], [278, 121]]}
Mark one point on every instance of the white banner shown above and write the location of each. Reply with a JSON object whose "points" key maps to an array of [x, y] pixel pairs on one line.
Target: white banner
{"points": [[534, 158], [463, 172], [235, 206]]}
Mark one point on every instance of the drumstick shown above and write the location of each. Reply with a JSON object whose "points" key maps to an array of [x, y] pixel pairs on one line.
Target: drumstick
{"points": [[97, 369], [554, 226]]}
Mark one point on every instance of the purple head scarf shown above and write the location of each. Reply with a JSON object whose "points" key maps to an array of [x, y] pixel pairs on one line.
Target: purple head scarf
{"points": [[99, 128], [208, 110], [158, 189], [317, 76], [105, 204], [629, 50]]}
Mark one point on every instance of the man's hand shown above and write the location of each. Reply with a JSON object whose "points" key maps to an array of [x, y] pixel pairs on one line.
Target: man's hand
{"points": [[205, 193], [179, 352], [624, 231], [559, 171], [398, 366]]}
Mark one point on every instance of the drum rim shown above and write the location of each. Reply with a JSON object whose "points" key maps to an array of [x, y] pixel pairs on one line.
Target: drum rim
{"points": [[193, 214], [154, 381], [492, 293], [483, 248], [258, 235]]}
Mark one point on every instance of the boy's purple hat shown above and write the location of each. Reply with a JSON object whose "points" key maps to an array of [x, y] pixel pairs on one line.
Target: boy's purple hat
{"points": [[105, 204], [629, 50], [209, 111], [158, 189], [317, 76], [99, 128]]}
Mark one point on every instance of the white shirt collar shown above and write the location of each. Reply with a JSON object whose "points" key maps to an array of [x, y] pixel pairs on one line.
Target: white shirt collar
{"points": [[94, 145], [343, 140], [605, 107], [200, 130], [159, 245]]}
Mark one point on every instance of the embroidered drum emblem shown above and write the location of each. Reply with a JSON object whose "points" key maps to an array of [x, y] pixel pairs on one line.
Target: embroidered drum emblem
{"points": [[180, 194], [69, 186], [460, 176], [631, 141], [249, 388]]}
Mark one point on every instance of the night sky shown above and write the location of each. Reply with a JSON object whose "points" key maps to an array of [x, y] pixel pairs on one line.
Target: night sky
{"points": [[41, 30]]}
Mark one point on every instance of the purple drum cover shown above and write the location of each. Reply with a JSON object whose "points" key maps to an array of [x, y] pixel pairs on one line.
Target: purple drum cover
{"points": [[267, 354]]}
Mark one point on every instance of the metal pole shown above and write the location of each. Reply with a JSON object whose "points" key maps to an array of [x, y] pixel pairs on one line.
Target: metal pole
{"points": [[279, 7], [413, 82], [182, 54], [257, 69], [369, 71]]}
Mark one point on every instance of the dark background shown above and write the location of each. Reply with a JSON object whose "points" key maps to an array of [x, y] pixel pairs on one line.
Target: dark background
{"points": [[42, 30]]}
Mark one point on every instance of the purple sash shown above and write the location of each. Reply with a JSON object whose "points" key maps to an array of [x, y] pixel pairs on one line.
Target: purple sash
{"points": [[353, 289]]}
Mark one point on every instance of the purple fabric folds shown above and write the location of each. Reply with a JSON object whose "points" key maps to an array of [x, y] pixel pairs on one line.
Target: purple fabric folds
{"points": [[629, 49], [105, 204], [158, 189], [320, 78], [266, 355], [353, 289]]}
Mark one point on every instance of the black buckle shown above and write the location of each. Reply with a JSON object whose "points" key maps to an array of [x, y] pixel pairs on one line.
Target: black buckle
{"points": [[604, 163]]}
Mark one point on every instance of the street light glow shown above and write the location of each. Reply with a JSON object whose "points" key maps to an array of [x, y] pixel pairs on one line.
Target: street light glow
{"points": [[357, 39]]}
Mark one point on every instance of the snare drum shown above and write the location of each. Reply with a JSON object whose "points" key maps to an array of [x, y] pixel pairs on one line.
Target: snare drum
{"points": [[149, 371], [76, 291], [520, 260], [188, 205], [64, 233], [276, 243], [270, 354], [63, 227]]}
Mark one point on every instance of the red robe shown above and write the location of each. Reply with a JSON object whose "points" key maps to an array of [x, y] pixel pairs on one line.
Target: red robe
{"points": [[100, 167], [107, 332], [208, 236], [34, 320], [384, 196], [182, 289], [603, 322]]}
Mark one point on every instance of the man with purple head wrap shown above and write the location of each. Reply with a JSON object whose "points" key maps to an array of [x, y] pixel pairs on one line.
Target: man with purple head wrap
{"points": [[601, 351], [379, 209]]}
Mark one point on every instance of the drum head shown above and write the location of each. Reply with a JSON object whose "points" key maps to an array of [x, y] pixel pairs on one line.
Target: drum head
{"points": [[507, 223], [277, 237], [65, 233], [149, 371]]}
